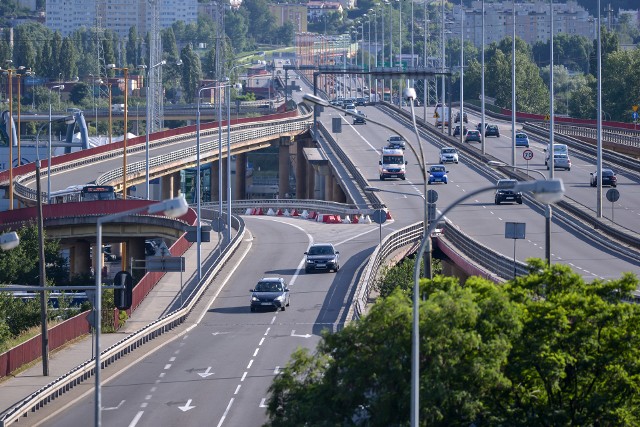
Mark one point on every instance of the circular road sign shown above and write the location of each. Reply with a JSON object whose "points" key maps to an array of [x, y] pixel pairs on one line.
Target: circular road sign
{"points": [[527, 154], [432, 196], [613, 195], [379, 216]]}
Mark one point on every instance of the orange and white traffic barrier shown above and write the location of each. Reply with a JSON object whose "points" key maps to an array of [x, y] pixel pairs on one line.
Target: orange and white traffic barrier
{"points": [[271, 212], [389, 215], [367, 220], [355, 219], [313, 215], [249, 211], [279, 212], [295, 213], [258, 211], [286, 212], [346, 220], [305, 214]]}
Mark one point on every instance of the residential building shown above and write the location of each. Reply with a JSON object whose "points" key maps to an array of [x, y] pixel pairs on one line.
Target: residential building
{"points": [[294, 13], [317, 9], [119, 16]]}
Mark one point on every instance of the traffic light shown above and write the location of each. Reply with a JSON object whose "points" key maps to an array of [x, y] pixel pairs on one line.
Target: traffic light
{"points": [[123, 298]]}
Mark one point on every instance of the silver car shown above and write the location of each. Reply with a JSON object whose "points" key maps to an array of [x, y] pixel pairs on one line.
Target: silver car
{"points": [[270, 292], [561, 161], [448, 155]]}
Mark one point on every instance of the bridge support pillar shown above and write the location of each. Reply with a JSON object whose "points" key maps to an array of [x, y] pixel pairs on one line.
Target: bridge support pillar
{"points": [[302, 168], [241, 176], [213, 181], [338, 194], [225, 174], [322, 190], [284, 144], [170, 185], [135, 249], [79, 261], [310, 192], [328, 185]]}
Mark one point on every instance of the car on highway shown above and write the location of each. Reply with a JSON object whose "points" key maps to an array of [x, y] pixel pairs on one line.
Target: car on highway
{"points": [[522, 139], [351, 108], [396, 141], [360, 101], [608, 178], [448, 155], [472, 135], [456, 130], [323, 257], [492, 130], [360, 120], [561, 161], [270, 292], [505, 192], [457, 119], [438, 173]]}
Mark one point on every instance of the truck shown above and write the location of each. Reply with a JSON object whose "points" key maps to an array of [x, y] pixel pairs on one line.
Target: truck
{"points": [[392, 163], [117, 108], [441, 113]]}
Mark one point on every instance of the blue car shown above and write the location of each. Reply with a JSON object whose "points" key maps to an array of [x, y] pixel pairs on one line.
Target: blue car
{"points": [[438, 173], [522, 140]]}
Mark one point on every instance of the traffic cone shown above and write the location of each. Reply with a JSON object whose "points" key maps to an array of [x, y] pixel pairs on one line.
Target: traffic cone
{"points": [[259, 211], [270, 212], [355, 219], [305, 214], [389, 215], [367, 219], [286, 212]]}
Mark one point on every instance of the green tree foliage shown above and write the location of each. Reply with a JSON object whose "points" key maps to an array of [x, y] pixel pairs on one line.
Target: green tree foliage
{"points": [[56, 55], [81, 94], [132, 48], [608, 44], [621, 83], [284, 34], [237, 30], [262, 20], [68, 57], [191, 72], [546, 349]]}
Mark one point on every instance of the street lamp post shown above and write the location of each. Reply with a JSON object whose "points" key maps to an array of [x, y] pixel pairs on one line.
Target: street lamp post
{"points": [[125, 70], [171, 208], [148, 125], [9, 71]]}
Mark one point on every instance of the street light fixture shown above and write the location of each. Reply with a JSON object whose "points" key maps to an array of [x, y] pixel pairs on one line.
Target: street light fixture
{"points": [[148, 125], [173, 208]]}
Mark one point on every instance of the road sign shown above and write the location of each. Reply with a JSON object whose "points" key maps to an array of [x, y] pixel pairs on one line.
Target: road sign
{"points": [[336, 124], [436, 115], [379, 216], [634, 115], [547, 117], [634, 108], [432, 196], [613, 195], [514, 230], [527, 154], [165, 263]]}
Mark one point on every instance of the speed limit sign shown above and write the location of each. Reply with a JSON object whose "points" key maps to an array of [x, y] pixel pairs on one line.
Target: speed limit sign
{"points": [[527, 154]]}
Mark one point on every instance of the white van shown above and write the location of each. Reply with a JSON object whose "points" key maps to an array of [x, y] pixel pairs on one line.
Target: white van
{"points": [[392, 163], [557, 149]]}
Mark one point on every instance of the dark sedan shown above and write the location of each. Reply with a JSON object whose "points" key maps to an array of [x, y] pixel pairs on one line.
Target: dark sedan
{"points": [[322, 256], [270, 292], [608, 178]]}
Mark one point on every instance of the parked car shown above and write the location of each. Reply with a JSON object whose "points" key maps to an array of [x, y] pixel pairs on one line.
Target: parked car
{"points": [[438, 173], [270, 292], [357, 120], [505, 192], [396, 141], [608, 178], [322, 256], [561, 161], [522, 139], [456, 130], [472, 135], [492, 130], [448, 155]]}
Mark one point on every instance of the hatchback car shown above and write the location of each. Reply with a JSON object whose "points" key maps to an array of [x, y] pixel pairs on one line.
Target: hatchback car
{"points": [[522, 139], [357, 120], [457, 119], [561, 161], [505, 192], [270, 292], [472, 135], [492, 130], [322, 256], [448, 155], [608, 178], [438, 173], [456, 130]]}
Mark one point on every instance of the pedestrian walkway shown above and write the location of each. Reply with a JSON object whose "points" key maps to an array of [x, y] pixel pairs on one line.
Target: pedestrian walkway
{"points": [[163, 298]]}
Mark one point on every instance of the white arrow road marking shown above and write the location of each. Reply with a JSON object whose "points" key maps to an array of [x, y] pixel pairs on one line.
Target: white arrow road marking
{"points": [[263, 402], [218, 333], [113, 407], [293, 334], [186, 407], [206, 373]]}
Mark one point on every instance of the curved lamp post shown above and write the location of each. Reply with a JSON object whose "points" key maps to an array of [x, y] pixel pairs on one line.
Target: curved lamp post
{"points": [[9, 72], [171, 208]]}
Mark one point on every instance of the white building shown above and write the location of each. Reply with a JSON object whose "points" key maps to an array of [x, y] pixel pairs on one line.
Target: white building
{"points": [[67, 16]]}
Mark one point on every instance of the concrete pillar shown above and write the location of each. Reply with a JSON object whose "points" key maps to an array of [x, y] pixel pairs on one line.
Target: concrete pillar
{"points": [[170, 185], [338, 194], [224, 179], [328, 186], [79, 261], [166, 185], [301, 170], [136, 251], [311, 183], [283, 167], [213, 180], [241, 176]]}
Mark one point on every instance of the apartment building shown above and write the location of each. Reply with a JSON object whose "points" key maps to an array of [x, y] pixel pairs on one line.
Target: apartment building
{"points": [[294, 13]]}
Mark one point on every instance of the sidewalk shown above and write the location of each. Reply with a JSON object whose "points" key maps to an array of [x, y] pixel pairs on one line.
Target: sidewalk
{"points": [[164, 298]]}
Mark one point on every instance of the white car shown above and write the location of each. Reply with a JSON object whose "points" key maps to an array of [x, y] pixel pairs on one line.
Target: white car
{"points": [[351, 108], [448, 155]]}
